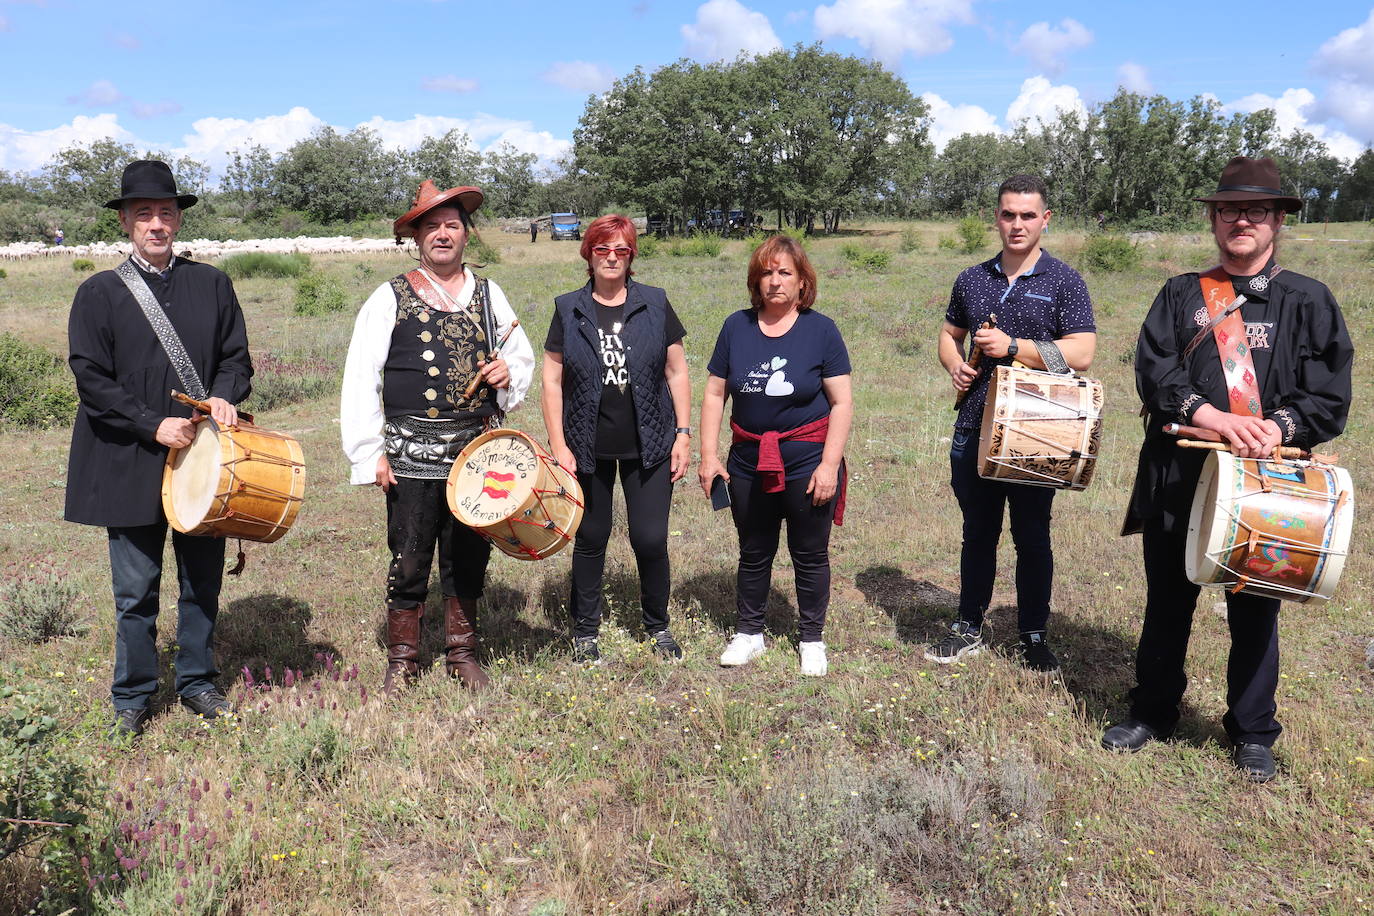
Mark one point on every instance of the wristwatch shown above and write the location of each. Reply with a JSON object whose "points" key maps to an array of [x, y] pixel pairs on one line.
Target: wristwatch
{"points": [[683, 430], [1012, 347]]}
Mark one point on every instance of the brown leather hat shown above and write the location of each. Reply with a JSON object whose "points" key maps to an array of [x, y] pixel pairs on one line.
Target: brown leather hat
{"points": [[1251, 179], [429, 196]]}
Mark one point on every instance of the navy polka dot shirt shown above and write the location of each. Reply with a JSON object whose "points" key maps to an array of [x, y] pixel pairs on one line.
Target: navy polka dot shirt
{"points": [[1048, 302]]}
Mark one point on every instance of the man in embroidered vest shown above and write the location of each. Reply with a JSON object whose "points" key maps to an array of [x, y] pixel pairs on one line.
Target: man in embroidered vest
{"points": [[1275, 371], [126, 367], [419, 339]]}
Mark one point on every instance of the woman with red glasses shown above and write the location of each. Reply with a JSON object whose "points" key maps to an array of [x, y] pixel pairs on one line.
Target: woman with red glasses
{"points": [[617, 402]]}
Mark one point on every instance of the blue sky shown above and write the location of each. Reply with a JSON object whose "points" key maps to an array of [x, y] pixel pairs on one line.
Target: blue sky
{"points": [[201, 78]]}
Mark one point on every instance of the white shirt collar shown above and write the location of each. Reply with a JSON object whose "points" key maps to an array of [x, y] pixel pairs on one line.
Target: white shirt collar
{"points": [[146, 266]]}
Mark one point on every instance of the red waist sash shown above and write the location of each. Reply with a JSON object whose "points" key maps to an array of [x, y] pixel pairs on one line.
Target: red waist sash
{"points": [[770, 467]]}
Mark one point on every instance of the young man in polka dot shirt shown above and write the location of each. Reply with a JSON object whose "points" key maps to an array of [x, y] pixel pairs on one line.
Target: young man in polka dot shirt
{"points": [[1036, 298]]}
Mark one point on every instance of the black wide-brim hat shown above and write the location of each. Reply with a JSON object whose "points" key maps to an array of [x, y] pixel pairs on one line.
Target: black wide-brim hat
{"points": [[150, 179], [1251, 179]]}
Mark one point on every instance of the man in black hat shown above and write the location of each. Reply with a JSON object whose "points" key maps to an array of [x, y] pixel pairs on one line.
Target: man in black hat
{"points": [[154, 324], [1275, 371], [404, 415]]}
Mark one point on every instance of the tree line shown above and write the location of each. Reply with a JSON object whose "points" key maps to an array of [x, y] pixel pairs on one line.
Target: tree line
{"points": [[801, 137]]}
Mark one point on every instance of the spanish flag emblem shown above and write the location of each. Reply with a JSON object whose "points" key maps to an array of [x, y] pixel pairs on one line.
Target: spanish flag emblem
{"points": [[497, 485]]}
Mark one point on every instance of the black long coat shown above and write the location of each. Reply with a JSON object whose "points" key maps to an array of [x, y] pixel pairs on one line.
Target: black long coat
{"points": [[124, 380]]}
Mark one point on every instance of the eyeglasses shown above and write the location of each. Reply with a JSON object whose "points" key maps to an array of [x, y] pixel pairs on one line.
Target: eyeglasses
{"points": [[602, 251], [1251, 214]]}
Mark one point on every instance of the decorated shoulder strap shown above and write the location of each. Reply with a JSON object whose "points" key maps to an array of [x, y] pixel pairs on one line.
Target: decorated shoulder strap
{"points": [[1052, 357], [162, 327], [1238, 367]]}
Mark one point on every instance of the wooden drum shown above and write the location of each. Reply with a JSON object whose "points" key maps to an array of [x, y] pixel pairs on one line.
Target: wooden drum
{"points": [[1040, 428], [241, 482], [1275, 528], [513, 493]]}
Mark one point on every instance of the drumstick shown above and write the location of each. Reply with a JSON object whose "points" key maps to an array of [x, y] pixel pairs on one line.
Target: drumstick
{"points": [[471, 389], [974, 359], [1282, 451], [1212, 439], [204, 407]]}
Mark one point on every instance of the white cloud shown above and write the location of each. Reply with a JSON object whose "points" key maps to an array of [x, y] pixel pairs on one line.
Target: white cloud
{"points": [[1134, 78], [580, 76], [125, 40], [1046, 45], [1295, 110], [1349, 98], [724, 28], [214, 138], [888, 29], [97, 94], [27, 150], [949, 121], [485, 131], [154, 109], [1039, 100], [448, 83]]}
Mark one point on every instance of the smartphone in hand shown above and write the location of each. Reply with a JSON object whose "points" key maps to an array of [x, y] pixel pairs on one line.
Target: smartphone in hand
{"points": [[720, 493]]}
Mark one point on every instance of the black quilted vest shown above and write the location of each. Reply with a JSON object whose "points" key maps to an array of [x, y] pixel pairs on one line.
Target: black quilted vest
{"points": [[433, 356], [645, 358]]}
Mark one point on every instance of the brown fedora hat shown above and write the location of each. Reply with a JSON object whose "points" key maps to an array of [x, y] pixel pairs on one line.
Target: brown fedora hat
{"points": [[1251, 179], [149, 179], [429, 196]]}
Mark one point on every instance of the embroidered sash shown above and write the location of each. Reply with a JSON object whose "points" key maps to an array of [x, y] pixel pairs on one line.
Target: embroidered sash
{"points": [[162, 327], [1238, 367]]}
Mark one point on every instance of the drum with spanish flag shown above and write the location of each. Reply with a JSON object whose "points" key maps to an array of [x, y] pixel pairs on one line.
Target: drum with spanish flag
{"points": [[511, 491]]}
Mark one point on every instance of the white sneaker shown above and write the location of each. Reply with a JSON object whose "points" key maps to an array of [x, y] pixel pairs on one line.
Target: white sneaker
{"points": [[813, 663], [743, 649]]}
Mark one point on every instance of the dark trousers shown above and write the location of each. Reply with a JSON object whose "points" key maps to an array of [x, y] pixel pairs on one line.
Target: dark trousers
{"points": [[417, 516], [136, 572], [648, 497], [982, 502], [1252, 671], [758, 519]]}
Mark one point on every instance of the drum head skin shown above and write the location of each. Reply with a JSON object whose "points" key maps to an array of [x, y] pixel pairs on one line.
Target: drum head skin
{"points": [[194, 479], [1040, 428]]}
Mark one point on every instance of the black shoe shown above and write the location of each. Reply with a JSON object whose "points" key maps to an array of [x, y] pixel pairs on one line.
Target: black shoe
{"points": [[1131, 735], [963, 639], [129, 723], [1255, 762], [666, 646], [211, 704], [1036, 654], [585, 651]]}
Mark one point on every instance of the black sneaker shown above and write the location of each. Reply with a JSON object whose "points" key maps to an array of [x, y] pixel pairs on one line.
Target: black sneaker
{"points": [[211, 704], [129, 723], [666, 646], [1036, 654], [585, 651], [963, 639]]}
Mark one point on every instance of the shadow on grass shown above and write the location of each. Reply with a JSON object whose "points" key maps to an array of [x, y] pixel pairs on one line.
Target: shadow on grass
{"points": [[921, 611], [714, 594], [257, 632]]}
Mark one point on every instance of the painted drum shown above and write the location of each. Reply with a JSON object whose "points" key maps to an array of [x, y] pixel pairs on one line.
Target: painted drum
{"points": [[234, 482], [1040, 428], [1275, 528], [513, 493]]}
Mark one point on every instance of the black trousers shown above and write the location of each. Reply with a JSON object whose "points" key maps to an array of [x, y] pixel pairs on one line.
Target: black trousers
{"points": [[417, 516], [648, 498], [1252, 670], [758, 519], [982, 503], [136, 572]]}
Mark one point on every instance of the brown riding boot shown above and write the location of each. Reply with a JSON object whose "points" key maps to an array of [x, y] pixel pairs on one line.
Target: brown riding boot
{"points": [[460, 640], [402, 647]]}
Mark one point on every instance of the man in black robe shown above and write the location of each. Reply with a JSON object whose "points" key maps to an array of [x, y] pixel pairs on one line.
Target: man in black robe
{"points": [[1301, 350], [126, 423]]}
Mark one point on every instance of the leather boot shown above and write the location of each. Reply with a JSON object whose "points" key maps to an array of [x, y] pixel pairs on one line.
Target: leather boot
{"points": [[460, 641], [402, 647]]}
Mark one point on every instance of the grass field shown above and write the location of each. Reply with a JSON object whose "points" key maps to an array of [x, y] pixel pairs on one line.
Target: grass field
{"points": [[891, 786]]}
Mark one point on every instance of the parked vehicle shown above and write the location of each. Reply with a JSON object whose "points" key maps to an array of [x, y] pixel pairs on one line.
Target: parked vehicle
{"points": [[565, 226]]}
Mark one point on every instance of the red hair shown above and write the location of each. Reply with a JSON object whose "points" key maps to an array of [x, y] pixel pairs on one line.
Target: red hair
{"points": [[608, 227], [774, 247]]}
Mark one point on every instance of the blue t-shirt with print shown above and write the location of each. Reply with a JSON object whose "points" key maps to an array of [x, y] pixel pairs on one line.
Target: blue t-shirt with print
{"points": [[775, 383], [1046, 302]]}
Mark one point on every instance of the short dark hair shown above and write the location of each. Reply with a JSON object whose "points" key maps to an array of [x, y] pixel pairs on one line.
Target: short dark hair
{"points": [[1025, 184]]}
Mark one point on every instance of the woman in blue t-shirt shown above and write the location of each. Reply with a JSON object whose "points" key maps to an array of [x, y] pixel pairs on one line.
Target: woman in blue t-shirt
{"points": [[787, 370], [616, 400]]}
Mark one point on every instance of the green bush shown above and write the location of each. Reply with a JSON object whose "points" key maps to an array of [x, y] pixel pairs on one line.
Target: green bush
{"points": [[948, 243], [480, 252], [754, 239], [265, 264], [648, 246], [798, 235], [911, 241], [3, 273], [279, 381], [861, 256], [972, 233], [317, 294], [83, 265], [701, 245], [38, 604], [1110, 254], [35, 388]]}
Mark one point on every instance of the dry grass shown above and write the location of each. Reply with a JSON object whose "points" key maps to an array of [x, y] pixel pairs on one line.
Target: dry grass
{"points": [[650, 788]]}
